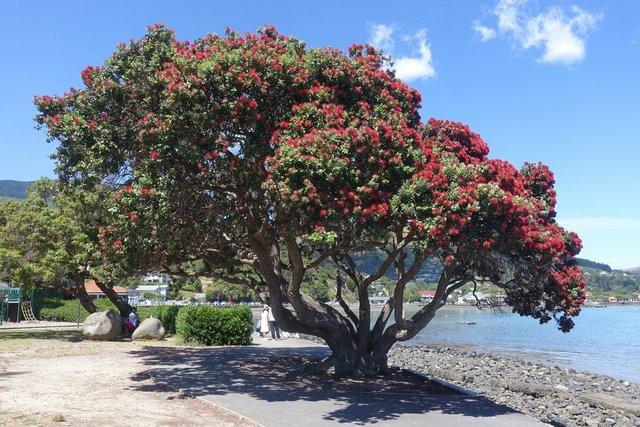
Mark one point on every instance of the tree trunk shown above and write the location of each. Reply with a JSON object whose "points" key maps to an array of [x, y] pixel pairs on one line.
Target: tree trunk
{"points": [[121, 304], [81, 293], [350, 360]]}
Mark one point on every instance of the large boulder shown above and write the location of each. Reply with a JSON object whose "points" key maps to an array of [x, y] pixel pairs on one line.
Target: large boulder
{"points": [[149, 329], [102, 326]]}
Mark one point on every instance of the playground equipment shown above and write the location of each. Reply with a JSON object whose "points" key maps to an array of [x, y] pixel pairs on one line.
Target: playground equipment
{"points": [[10, 297], [3, 294], [27, 312]]}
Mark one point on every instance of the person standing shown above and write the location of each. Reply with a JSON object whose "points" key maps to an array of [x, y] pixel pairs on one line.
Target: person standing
{"points": [[264, 321], [273, 326]]}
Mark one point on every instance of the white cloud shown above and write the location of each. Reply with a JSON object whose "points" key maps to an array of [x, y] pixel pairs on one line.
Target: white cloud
{"points": [[561, 37], [416, 67], [507, 13], [485, 33], [407, 67], [381, 36], [558, 33]]}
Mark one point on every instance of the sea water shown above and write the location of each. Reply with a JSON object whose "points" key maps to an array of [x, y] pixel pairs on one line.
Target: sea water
{"points": [[603, 341]]}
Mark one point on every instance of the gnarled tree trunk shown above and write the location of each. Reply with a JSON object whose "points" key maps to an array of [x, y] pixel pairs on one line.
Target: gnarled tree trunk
{"points": [[121, 304], [81, 293]]}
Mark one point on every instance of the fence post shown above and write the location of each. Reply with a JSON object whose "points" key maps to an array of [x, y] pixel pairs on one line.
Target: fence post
{"points": [[78, 314]]}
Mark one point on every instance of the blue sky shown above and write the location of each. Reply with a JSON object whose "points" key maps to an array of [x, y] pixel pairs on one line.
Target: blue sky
{"points": [[549, 81]]}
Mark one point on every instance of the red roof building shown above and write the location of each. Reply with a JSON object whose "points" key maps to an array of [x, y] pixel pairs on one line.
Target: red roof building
{"points": [[427, 295], [94, 291]]}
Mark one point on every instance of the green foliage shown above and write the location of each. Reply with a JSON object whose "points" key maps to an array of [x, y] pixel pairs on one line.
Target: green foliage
{"points": [[621, 284], [59, 310], [215, 326], [45, 238], [220, 290], [166, 314], [191, 284], [320, 283], [148, 295]]}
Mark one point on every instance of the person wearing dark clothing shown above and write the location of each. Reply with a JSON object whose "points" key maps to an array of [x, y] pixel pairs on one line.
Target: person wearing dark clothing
{"points": [[273, 326]]}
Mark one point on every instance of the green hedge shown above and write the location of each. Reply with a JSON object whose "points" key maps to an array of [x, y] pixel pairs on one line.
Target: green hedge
{"points": [[199, 324], [215, 326], [59, 310], [166, 314]]}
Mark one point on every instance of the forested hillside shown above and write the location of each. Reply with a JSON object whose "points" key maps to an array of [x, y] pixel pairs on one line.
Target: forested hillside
{"points": [[13, 189]]}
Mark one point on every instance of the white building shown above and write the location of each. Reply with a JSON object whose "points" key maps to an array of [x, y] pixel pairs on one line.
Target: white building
{"points": [[134, 297], [157, 283], [150, 278]]}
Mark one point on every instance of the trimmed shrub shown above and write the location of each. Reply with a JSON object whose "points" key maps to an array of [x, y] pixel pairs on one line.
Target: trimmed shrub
{"points": [[166, 314], [60, 310], [215, 326]]}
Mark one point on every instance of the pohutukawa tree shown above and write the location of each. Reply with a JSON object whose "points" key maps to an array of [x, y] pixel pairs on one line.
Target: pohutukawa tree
{"points": [[263, 159]]}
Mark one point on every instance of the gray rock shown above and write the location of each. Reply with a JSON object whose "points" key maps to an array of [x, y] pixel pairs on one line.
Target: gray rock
{"points": [[149, 329], [526, 388], [573, 410], [102, 326], [610, 402]]}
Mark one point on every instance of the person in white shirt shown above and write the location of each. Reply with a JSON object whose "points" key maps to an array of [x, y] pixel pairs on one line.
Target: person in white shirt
{"points": [[273, 326], [264, 321]]}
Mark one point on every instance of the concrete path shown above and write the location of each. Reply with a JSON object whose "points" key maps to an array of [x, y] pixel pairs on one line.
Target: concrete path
{"points": [[243, 380]]}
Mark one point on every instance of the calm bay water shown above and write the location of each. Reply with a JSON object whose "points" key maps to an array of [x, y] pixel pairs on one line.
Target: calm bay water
{"points": [[604, 340]]}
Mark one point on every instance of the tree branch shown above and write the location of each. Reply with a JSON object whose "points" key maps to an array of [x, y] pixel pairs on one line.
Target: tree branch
{"points": [[352, 316], [390, 259]]}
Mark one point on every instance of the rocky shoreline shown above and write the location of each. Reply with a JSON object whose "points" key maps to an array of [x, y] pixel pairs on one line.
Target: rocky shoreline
{"points": [[551, 394]]}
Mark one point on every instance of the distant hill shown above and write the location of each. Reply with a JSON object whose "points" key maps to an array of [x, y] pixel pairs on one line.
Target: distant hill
{"points": [[592, 264], [13, 189], [602, 280]]}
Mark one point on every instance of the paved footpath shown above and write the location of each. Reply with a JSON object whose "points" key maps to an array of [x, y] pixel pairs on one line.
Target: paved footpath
{"points": [[244, 380]]}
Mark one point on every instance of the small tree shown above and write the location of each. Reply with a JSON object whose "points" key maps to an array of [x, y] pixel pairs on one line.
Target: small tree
{"points": [[265, 160], [40, 246], [50, 240]]}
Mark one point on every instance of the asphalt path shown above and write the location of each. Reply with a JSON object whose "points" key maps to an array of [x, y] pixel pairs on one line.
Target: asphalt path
{"points": [[256, 381]]}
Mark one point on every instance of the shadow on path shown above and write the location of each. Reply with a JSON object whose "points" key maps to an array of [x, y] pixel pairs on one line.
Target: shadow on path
{"points": [[71, 335], [258, 375]]}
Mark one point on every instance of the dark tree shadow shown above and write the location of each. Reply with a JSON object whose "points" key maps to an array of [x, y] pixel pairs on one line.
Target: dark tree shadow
{"points": [[265, 374], [71, 335], [11, 374]]}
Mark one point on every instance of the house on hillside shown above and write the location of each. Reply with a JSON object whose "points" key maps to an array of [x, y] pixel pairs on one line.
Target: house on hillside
{"points": [[153, 278], [154, 283], [94, 291], [426, 295]]}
